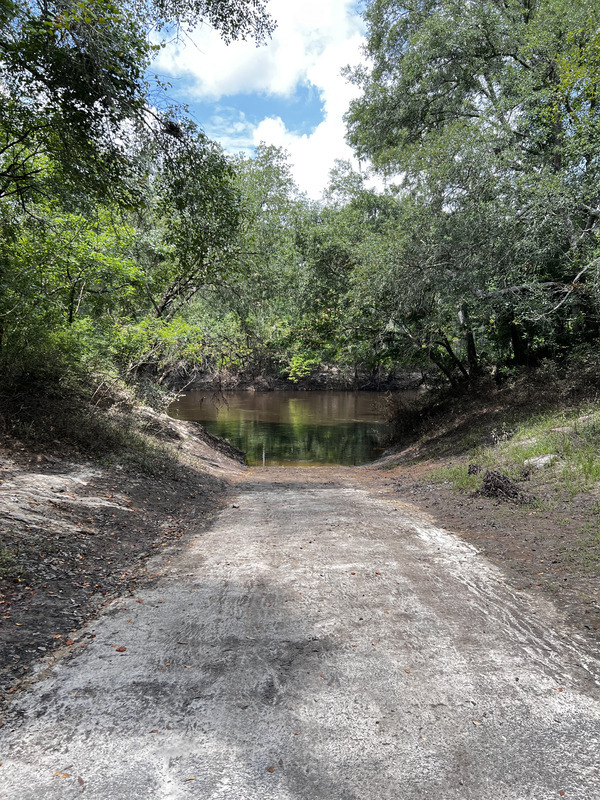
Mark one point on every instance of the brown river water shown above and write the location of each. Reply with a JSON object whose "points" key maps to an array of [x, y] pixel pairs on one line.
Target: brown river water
{"points": [[293, 427]]}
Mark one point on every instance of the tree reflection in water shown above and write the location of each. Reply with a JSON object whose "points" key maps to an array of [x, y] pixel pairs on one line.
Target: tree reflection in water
{"points": [[293, 427]]}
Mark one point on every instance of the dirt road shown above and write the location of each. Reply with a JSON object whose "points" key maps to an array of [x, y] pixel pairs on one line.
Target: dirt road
{"points": [[319, 642]]}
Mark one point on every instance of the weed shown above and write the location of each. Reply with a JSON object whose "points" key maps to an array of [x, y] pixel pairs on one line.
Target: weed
{"points": [[458, 477], [9, 568], [502, 435]]}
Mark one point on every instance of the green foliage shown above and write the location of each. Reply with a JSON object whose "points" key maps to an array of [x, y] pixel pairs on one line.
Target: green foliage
{"points": [[234, 19], [75, 85], [130, 242], [489, 113], [9, 567], [248, 312], [300, 367], [458, 477], [113, 214]]}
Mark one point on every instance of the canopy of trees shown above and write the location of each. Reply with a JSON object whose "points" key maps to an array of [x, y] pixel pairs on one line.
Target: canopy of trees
{"points": [[114, 208], [130, 242], [489, 113]]}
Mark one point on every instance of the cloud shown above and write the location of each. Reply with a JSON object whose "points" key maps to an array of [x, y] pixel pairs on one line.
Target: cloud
{"points": [[311, 156], [230, 127], [305, 31], [314, 40]]}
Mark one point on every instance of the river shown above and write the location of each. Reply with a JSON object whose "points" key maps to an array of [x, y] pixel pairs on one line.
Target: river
{"points": [[293, 427]]}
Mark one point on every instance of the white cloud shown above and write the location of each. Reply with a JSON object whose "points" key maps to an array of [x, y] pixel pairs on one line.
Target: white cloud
{"points": [[312, 156], [305, 31], [230, 127], [314, 40]]}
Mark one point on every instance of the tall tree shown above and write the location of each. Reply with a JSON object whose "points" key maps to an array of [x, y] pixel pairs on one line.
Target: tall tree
{"points": [[489, 113], [110, 208], [260, 293]]}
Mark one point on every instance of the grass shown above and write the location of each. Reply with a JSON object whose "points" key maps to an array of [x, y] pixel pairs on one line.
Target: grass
{"points": [[458, 477], [571, 437], [559, 516], [9, 568]]}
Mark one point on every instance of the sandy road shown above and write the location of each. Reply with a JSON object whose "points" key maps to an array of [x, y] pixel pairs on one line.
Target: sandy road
{"points": [[319, 642]]}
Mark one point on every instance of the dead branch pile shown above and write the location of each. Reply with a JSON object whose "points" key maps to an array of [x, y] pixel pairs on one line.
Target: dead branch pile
{"points": [[496, 484]]}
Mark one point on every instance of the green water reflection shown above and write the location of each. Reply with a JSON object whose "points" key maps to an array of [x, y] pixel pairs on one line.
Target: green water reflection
{"points": [[293, 427]]}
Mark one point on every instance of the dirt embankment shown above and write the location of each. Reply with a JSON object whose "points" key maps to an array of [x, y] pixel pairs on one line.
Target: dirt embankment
{"points": [[537, 517], [75, 533]]}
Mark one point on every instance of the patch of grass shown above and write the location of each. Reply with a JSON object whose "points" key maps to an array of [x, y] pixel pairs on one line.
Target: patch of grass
{"points": [[6, 562], [458, 476], [10, 569], [571, 437]]}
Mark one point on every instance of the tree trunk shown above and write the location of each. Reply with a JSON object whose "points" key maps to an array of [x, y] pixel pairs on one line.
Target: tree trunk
{"points": [[455, 359], [71, 305], [519, 345], [441, 367], [465, 321]]}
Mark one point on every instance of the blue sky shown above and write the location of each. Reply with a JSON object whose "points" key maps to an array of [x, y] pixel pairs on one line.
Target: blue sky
{"points": [[288, 92]]}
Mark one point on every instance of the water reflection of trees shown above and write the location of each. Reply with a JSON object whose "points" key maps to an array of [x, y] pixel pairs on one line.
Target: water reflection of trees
{"points": [[352, 443], [293, 426]]}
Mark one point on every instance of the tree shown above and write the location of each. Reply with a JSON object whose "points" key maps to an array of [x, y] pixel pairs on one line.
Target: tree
{"points": [[112, 210], [193, 204], [260, 293], [488, 112], [75, 85]]}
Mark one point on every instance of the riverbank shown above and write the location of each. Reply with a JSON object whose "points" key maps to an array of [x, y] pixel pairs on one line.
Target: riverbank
{"points": [[325, 377], [515, 470], [79, 530]]}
